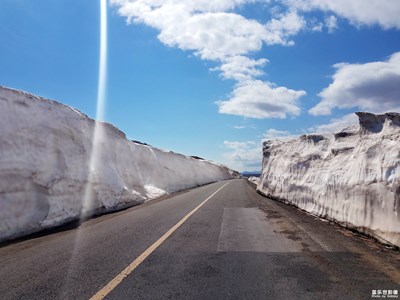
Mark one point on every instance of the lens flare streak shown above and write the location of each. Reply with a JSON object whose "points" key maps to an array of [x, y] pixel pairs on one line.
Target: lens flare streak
{"points": [[94, 168], [87, 206]]}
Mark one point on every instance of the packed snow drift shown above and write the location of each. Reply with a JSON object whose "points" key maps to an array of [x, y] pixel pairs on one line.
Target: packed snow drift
{"points": [[254, 180], [45, 157], [351, 177]]}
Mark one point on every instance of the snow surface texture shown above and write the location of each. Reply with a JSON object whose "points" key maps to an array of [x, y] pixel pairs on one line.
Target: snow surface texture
{"points": [[351, 177], [253, 179], [45, 151]]}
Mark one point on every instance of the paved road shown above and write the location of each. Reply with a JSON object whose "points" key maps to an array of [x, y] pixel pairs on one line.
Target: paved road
{"points": [[238, 245]]}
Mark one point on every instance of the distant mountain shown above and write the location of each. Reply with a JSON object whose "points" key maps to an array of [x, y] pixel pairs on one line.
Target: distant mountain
{"points": [[251, 173]]}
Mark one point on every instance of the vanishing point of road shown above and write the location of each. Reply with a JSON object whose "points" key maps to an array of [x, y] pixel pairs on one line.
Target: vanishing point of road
{"points": [[219, 241]]}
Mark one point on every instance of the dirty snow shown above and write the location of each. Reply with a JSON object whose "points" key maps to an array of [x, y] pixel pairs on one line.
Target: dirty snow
{"points": [[351, 177], [45, 150]]}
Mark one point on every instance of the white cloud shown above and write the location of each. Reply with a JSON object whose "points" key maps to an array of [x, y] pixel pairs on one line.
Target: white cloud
{"points": [[215, 36], [317, 27], [336, 124], [331, 23], [238, 145], [373, 87], [240, 68], [189, 5], [243, 156], [384, 13], [288, 24], [258, 99], [214, 32], [206, 27], [244, 126], [274, 134]]}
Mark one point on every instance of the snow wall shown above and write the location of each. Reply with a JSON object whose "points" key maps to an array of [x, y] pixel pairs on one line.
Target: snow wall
{"points": [[45, 152], [351, 177]]}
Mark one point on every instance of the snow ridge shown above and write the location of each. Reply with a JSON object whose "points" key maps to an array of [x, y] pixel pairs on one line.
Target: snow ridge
{"points": [[351, 177], [45, 150]]}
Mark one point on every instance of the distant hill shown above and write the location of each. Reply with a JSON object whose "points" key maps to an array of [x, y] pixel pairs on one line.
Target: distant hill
{"points": [[251, 173]]}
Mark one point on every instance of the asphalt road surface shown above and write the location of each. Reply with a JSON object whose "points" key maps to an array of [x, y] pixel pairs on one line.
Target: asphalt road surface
{"points": [[228, 243]]}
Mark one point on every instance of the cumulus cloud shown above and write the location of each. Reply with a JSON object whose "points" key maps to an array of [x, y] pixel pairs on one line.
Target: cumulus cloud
{"points": [[204, 28], [207, 28], [384, 13], [215, 36], [274, 134], [331, 23], [373, 87], [212, 31], [243, 156], [240, 68], [335, 125], [287, 24], [247, 155], [258, 99]]}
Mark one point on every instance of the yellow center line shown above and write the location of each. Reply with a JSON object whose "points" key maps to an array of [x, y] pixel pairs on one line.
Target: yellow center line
{"points": [[129, 269]]}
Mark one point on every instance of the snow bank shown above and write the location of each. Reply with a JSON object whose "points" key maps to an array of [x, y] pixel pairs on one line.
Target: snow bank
{"points": [[254, 180], [45, 151], [352, 177]]}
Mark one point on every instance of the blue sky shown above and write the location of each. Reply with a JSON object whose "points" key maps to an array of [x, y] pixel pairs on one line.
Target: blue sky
{"points": [[209, 78]]}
